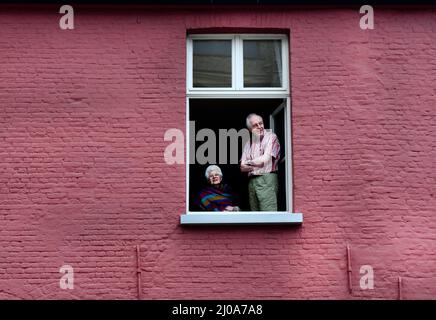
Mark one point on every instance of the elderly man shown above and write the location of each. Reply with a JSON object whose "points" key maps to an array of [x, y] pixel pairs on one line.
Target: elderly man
{"points": [[260, 159]]}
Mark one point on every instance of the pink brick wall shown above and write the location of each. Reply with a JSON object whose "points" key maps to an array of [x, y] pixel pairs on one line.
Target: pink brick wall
{"points": [[83, 179]]}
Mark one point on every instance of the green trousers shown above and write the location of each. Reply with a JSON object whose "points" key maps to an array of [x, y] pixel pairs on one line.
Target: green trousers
{"points": [[262, 192]]}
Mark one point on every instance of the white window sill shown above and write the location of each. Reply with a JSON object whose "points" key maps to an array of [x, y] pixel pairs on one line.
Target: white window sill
{"points": [[241, 218]]}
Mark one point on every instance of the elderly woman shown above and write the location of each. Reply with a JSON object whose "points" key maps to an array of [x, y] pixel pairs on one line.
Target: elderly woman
{"points": [[217, 196]]}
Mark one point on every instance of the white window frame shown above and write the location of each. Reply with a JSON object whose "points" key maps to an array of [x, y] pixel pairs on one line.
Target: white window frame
{"points": [[190, 62], [236, 92], [238, 64]]}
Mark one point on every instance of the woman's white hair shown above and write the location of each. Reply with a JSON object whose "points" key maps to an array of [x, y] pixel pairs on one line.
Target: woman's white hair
{"points": [[251, 115], [212, 168]]}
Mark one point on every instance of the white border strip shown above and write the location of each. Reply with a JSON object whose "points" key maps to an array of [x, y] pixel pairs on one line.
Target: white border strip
{"points": [[241, 218]]}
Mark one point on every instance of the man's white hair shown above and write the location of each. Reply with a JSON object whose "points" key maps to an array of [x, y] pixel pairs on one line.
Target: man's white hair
{"points": [[212, 168], [251, 115]]}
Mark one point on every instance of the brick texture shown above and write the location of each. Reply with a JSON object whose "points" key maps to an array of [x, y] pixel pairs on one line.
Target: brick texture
{"points": [[83, 179]]}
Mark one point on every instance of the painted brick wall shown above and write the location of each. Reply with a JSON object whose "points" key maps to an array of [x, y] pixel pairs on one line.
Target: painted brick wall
{"points": [[83, 179]]}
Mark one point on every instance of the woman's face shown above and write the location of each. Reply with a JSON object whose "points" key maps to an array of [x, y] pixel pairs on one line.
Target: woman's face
{"points": [[214, 178]]}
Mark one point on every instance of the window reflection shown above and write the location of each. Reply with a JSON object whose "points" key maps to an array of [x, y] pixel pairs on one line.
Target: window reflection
{"points": [[262, 63], [212, 63]]}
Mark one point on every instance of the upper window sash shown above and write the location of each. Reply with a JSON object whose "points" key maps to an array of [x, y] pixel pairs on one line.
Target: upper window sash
{"points": [[238, 64]]}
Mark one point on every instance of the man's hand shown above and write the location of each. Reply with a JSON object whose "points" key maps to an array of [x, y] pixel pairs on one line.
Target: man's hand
{"points": [[245, 167], [256, 163]]}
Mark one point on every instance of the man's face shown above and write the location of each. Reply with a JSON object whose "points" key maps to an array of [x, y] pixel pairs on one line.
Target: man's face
{"points": [[257, 126]]}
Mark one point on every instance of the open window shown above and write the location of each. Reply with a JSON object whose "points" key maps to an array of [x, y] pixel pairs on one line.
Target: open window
{"points": [[229, 77]]}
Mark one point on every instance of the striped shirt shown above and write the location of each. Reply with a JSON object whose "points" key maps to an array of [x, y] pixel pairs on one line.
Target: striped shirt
{"points": [[266, 145]]}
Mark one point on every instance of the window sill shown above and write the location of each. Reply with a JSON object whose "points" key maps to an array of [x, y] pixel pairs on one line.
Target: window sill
{"points": [[241, 218]]}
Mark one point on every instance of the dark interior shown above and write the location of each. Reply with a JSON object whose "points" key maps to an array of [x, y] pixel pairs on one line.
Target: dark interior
{"points": [[218, 114]]}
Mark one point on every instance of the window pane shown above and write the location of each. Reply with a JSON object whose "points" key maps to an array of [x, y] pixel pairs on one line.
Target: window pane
{"points": [[212, 63], [262, 63]]}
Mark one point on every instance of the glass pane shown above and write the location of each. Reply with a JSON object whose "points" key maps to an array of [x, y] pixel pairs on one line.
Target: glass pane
{"points": [[262, 63], [212, 63]]}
